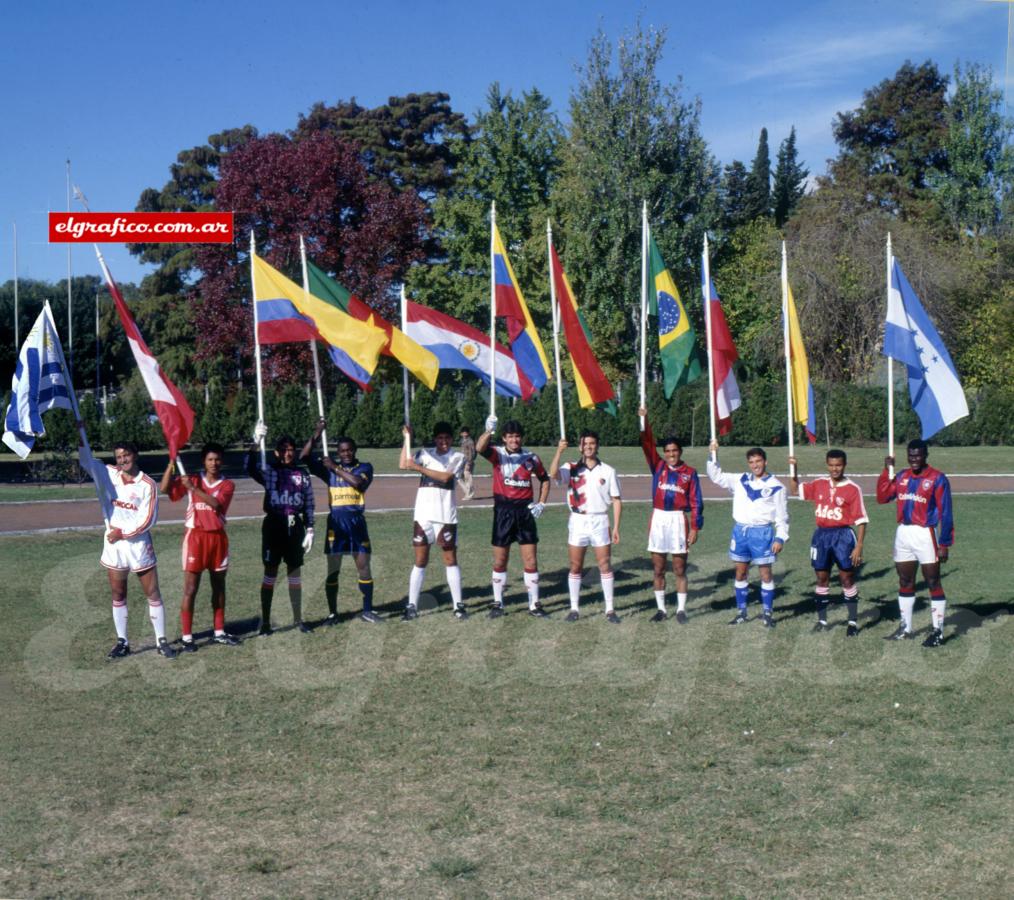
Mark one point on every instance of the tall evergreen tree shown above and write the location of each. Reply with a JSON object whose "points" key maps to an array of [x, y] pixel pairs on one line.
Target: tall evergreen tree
{"points": [[789, 182], [734, 196], [758, 184]]}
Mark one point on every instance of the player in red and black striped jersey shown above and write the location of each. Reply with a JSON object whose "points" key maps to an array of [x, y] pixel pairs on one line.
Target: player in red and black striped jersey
{"points": [[838, 504], [677, 515]]}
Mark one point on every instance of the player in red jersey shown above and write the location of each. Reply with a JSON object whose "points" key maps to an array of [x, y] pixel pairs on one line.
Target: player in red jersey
{"points": [[839, 506], [923, 495], [677, 515], [514, 509], [205, 543]]}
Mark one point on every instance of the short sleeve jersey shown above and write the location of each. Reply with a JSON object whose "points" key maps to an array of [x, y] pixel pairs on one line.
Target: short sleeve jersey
{"points": [[589, 490], [344, 499], [513, 474], [435, 501], [199, 514], [835, 504], [135, 506]]}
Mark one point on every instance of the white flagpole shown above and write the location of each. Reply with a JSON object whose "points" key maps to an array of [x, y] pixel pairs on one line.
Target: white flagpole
{"points": [[404, 372], [313, 347], [492, 310], [17, 338], [706, 291], [70, 299], [257, 345], [890, 365], [645, 234], [788, 355], [554, 303]]}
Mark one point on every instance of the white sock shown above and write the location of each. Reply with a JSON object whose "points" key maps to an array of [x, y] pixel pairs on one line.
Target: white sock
{"points": [[660, 599], [574, 587], [156, 612], [905, 606], [415, 583], [937, 610], [454, 583], [607, 589], [120, 621], [532, 586], [499, 583], [681, 602]]}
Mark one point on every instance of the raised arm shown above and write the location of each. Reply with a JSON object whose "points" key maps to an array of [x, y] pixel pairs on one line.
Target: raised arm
{"points": [[554, 465]]}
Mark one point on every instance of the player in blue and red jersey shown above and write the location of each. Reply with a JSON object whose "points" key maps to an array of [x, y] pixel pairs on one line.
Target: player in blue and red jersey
{"points": [[677, 515], [514, 509], [923, 495]]}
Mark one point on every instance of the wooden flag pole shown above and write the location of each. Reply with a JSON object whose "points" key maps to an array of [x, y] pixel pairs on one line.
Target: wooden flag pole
{"points": [[404, 375], [788, 356], [645, 234], [890, 366], [554, 303], [492, 309], [706, 291], [257, 345], [313, 348]]}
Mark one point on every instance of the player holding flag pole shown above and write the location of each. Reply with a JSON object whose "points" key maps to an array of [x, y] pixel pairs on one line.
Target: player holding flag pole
{"points": [[313, 350], [554, 303]]}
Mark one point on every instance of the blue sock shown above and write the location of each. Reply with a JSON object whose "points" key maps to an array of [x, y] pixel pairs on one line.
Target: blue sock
{"points": [[742, 592], [768, 595], [366, 589]]}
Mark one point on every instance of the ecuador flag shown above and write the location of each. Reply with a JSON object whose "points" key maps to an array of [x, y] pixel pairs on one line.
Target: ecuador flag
{"points": [[676, 345], [803, 407]]}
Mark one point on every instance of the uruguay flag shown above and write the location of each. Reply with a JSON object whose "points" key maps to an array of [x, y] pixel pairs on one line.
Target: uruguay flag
{"points": [[909, 337], [460, 346]]}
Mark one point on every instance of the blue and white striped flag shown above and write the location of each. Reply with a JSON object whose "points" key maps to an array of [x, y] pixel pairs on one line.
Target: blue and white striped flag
{"points": [[40, 384]]}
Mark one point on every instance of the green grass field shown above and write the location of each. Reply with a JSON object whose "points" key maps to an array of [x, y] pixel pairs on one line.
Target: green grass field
{"points": [[511, 758]]}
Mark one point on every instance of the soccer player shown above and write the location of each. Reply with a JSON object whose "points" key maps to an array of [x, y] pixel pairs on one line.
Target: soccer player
{"points": [[514, 512], [287, 529], [205, 543], [839, 507], [347, 482], [592, 487], [924, 504], [128, 548], [760, 527], [468, 451], [677, 515], [435, 519]]}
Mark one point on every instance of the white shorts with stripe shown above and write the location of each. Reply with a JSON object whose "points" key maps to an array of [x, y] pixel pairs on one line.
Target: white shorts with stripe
{"points": [[667, 531], [915, 542], [133, 554], [588, 530]]}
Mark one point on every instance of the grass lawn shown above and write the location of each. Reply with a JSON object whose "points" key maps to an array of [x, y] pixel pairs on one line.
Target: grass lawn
{"points": [[518, 757]]}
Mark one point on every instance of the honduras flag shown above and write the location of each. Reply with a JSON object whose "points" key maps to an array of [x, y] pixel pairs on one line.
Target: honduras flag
{"points": [[909, 337], [40, 384]]}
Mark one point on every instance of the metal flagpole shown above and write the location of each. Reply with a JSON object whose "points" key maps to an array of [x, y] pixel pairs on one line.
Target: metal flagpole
{"points": [[404, 375], [788, 355], [70, 300], [98, 349], [554, 303], [313, 348], [890, 365], [17, 334], [257, 345], [706, 291], [645, 234], [492, 309]]}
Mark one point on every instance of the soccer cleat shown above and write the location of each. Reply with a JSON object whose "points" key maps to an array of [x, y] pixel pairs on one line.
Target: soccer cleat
{"points": [[460, 613], [265, 630], [768, 620], [612, 618], [935, 639], [572, 616], [410, 613], [901, 634], [852, 630], [229, 640], [330, 619], [121, 650], [163, 649], [681, 617], [188, 646], [741, 618], [821, 626], [660, 616], [368, 615], [537, 611], [496, 611], [303, 627]]}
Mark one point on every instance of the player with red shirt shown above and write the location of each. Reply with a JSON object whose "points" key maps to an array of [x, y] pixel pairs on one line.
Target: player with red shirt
{"points": [[677, 515], [205, 543], [839, 507], [923, 495]]}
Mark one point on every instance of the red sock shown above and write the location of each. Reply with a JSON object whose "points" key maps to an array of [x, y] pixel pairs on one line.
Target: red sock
{"points": [[186, 621], [219, 620]]}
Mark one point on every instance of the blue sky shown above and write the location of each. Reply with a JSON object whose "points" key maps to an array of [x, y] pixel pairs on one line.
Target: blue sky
{"points": [[120, 88]]}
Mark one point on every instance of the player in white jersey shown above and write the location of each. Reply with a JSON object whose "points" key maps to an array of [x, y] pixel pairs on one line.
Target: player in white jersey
{"points": [[127, 547], [760, 529], [592, 489], [436, 513]]}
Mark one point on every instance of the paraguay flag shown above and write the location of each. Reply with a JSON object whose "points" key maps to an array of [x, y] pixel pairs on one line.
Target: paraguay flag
{"points": [[723, 355], [803, 407], [510, 303]]}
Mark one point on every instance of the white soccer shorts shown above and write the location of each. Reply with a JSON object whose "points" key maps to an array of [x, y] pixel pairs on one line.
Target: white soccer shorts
{"points": [[668, 531], [134, 554], [915, 542], [590, 530]]}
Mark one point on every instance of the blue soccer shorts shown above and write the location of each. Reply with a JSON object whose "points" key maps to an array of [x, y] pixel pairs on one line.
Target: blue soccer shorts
{"points": [[830, 546], [752, 544]]}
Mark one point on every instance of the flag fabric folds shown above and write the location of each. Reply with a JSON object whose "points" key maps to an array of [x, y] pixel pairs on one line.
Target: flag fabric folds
{"points": [[910, 337], [174, 413], [353, 346], [510, 303], [676, 345], [460, 346], [723, 355], [418, 360], [279, 322], [593, 388], [803, 407]]}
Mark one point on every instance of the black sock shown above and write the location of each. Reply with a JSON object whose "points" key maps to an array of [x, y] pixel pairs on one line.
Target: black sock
{"points": [[266, 594], [853, 609], [331, 592], [822, 610]]}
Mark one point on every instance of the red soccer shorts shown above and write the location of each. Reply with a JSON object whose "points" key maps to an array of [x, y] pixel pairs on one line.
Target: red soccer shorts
{"points": [[205, 550]]}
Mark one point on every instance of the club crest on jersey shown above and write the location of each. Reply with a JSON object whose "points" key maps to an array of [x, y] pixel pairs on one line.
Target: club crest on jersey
{"points": [[684, 478], [766, 492], [927, 484]]}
